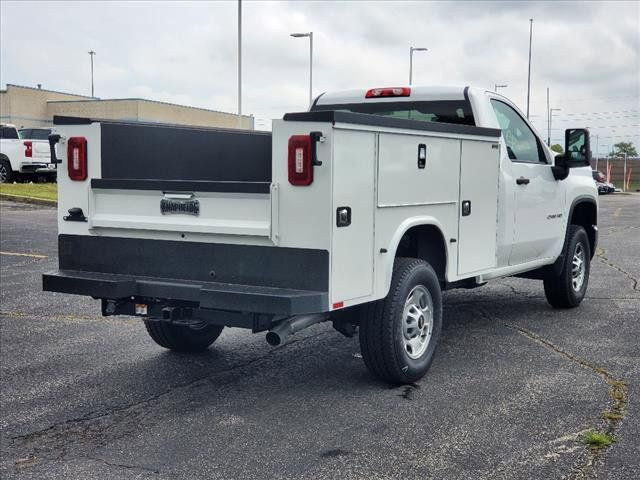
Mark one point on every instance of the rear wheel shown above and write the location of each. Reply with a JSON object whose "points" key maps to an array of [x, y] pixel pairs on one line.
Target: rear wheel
{"points": [[6, 174], [193, 337], [399, 334], [569, 288]]}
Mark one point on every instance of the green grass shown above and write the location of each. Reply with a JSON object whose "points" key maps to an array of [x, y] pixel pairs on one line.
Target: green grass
{"points": [[633, 186], [44, 191], [597, 439]]}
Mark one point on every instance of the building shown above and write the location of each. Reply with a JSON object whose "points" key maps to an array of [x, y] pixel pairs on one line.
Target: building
{"points": [[35, 107]]}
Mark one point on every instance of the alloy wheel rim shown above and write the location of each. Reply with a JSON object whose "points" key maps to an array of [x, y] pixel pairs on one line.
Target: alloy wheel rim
{"points": [[3, 174], [417, 322], [578, 268]]}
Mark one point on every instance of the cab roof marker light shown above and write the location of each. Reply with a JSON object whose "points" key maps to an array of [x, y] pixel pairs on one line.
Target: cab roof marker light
{"points": [[388, 92]]}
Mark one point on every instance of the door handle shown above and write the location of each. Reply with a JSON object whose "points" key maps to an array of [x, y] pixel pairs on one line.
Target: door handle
{"points": [[522, 181], [466, 208]]}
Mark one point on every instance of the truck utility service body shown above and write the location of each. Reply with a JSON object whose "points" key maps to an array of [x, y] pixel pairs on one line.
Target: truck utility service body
{"points": [[191, 226]]}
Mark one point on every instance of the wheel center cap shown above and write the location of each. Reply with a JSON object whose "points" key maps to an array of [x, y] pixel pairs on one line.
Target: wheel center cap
{"points": [[421, 323]]}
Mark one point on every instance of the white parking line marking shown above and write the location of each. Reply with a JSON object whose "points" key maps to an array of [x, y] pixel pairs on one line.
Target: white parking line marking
{"points": [[31, 255]]}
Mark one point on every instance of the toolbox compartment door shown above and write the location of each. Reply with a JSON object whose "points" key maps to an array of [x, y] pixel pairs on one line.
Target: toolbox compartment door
{"points": [[353, 188], [479, 177]]}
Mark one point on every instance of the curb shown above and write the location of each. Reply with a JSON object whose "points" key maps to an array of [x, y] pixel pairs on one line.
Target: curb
{"points": [[30, 200]]}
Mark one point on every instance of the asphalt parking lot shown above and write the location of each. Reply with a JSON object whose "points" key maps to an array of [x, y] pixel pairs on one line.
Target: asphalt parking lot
{"points": [[513, 385]]}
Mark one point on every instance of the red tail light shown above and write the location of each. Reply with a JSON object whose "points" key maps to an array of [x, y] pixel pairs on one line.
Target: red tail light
{"points": [[300, 166], [28, 148], [77, 158], [388, 92]]}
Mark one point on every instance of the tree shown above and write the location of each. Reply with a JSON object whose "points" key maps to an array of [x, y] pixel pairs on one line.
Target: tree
{"points": [[556, 147], [624, 148]]}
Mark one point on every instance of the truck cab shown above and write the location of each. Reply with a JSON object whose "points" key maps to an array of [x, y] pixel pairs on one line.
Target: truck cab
{"points": [[532, 204], [358, 212]]}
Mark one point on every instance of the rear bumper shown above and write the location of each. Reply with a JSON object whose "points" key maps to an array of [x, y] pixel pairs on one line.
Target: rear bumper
{"points": [[208, 295], [239, 278], [35, 167]]}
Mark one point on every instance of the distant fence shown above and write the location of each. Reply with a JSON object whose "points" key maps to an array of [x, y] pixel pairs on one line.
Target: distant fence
{"points": [[617, 168]]}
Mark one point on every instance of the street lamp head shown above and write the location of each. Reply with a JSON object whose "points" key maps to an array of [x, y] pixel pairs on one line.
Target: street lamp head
{"points": [[299, 35], [419, 49]]}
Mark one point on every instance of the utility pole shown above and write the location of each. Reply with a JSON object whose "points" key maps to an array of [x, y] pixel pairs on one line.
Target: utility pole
{"points": [[91, 54], [548, 121], [551, 110], [597, 150], [624, 175], [239, 63], [529, 74]]}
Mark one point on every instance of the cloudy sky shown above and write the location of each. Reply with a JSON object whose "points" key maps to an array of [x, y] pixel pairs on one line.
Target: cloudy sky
{"points": [[587, 53]]}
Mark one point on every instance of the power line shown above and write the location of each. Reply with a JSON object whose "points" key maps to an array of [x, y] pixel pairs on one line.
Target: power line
{"points": [[592, 98]]}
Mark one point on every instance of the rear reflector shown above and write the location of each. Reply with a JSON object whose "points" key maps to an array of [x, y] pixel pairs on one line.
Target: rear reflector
{"points": [[300, 168], [338, 305], [28, 148], [388, 92], [77, 158]]}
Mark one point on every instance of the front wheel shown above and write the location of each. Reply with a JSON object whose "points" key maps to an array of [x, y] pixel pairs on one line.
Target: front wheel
{"points": [[569, 288], [183, 338], [399, 334]]}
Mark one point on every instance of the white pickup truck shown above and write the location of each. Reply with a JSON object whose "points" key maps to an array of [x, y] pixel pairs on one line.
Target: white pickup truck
{"points": [[23, 157], [360, 212]]}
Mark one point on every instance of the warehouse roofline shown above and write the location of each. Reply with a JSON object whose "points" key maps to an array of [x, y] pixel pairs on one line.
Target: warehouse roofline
{"points": [[45, 90], [86, 98]]}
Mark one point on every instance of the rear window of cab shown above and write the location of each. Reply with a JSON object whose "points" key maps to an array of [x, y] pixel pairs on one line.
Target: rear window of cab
{"points": [[441, 111]]}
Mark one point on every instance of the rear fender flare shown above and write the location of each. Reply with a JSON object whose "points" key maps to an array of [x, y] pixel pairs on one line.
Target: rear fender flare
{"points": [[403, 228]]}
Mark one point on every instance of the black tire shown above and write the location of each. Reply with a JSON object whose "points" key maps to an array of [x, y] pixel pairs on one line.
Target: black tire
{"points": [[383, 326], [182, 338], [6, 174], [560, 290]]}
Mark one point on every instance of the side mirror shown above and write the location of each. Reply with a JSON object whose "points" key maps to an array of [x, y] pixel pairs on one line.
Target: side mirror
{"points": [[577, 147], [560, 169]]}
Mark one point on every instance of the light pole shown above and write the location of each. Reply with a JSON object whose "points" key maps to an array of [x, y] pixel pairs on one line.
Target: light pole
{"points": [[597, 151], [239, 63], [529, 74], [310, 35], [551, 110], [497, 86], [91, 54], [411, 50]]}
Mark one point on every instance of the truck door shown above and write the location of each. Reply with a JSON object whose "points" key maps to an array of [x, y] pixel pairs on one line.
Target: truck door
{"points": [[539, 202]]}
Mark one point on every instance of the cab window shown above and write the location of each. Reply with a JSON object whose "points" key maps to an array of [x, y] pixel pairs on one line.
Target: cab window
{"points": [[8, 132], [522, 144]]}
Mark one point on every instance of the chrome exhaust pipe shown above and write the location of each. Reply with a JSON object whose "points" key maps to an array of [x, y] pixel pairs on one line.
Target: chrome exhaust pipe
{"points": [[284, 328]]}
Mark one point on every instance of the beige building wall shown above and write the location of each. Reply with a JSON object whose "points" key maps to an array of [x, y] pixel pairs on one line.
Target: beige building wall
{"points": [[27, 107], [107, 109], [33, 107], [149, 111]]}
